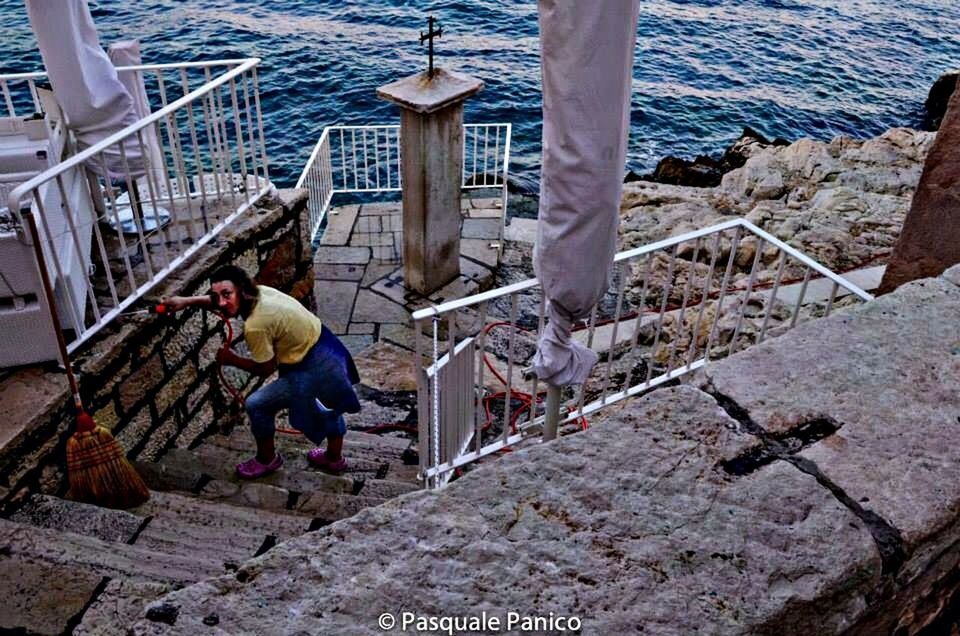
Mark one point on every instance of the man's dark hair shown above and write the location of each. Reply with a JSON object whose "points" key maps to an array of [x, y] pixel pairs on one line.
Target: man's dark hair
{"points": [[240, 279]]}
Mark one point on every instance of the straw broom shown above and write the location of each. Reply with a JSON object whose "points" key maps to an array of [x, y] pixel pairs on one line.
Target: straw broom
{"points": [[97, 466]]}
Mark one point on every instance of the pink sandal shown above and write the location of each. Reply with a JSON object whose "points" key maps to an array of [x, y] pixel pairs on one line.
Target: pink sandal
{"points": [[253, 469], [318, 457]]}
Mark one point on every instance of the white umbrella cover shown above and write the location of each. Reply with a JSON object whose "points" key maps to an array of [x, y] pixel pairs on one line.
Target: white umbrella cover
{"points": [[93, 99], [586, 53], [127, 53]]}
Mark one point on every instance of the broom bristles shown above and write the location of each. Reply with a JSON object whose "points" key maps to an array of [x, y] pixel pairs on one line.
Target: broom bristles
{"points": [[99, 472]]}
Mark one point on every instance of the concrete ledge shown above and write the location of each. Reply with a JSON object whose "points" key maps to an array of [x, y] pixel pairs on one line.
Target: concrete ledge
{"points": [[652, 533], [816, 493]]}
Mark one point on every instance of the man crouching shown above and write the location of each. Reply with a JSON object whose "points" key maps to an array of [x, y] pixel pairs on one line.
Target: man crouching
{"points": [[316, 373]]}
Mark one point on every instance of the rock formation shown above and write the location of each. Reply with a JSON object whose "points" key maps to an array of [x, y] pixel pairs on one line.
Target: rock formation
{"points": [[930, 240]]}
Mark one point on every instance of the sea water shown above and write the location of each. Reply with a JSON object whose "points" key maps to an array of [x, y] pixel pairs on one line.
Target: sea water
{"points": [[703, 69]]}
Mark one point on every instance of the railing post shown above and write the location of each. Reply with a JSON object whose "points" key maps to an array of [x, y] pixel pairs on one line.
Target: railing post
{"points": [[552, 414]]}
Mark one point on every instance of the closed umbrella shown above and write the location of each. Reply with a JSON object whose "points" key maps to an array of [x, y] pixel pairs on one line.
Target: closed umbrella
{"points": [[127, 53], [85, 82], [586, 53]]}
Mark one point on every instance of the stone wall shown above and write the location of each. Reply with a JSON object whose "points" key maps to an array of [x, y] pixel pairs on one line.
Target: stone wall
{"points": [[153, 380], [807, 485]]}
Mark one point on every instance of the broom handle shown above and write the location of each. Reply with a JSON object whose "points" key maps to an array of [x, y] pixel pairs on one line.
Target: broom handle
{"points": [[52, 304]]}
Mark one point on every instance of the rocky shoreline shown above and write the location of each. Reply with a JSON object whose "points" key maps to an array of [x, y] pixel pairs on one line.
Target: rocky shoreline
{"points": [[705, 171]]}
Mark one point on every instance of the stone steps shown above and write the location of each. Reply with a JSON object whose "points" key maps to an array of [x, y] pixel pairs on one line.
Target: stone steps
{"points": [[68, 555], [58, 572], [92, 570]]}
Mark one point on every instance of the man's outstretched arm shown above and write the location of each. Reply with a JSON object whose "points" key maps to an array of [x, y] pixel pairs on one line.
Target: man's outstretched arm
{"points": [[263, 369]]}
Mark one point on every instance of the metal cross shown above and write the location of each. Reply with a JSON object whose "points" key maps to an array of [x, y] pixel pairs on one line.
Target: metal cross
{"points": [[428, 36]]}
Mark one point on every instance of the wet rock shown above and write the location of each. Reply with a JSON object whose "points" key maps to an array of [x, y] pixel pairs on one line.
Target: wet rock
{"points": [[936, 105]]}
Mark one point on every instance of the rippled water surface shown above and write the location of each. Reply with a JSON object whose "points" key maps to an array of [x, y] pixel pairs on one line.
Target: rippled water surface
{"points": [[704, 68]]}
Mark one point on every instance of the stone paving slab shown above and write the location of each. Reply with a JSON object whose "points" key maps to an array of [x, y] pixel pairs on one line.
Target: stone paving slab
{"points": [[335, 303], [339, 226], [666, 542], [483, 250], [524, 230], [362, 328], [336, 271], [887, 378], [343, 255], [363, 263], [488, 229], [372, 307], [357, 343]]}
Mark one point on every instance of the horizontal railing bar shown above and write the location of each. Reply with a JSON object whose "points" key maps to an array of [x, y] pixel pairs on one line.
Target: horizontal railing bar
{"points": [[670, 242], [473, 456], [427, 312], [806, 260], [137, 67], [596, 405], [364, 127], [17, 194]]}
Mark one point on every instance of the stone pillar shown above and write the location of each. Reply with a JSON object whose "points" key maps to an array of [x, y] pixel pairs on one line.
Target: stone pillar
{"points": [[431, 145], [929, 242]]}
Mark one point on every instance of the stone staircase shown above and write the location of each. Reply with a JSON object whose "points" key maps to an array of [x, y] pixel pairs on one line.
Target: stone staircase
{"points": [[77, 568]]}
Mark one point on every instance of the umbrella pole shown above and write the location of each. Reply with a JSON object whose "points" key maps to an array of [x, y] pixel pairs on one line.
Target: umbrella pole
{"points": [[552, 414]]}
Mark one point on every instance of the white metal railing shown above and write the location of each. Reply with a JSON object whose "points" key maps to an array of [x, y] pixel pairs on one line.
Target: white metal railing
{"points": [[366, 159], [673, 306], [126, 234]]}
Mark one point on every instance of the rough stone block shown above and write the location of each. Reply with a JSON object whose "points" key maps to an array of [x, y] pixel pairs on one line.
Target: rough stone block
{"points": [[136, 428], [953, 275], [53, 513], [118, 605], [879, 374], [42, 597], [228, 533], [176, 387], [667, 541], [386, 367]]}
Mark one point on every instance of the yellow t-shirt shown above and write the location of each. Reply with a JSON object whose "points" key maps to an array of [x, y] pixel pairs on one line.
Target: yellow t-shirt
{"points": [[281, 326]]}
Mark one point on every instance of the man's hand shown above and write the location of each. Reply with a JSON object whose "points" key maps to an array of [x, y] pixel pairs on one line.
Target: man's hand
{"points": [[226, 356], [174, 303], [178, 303]]}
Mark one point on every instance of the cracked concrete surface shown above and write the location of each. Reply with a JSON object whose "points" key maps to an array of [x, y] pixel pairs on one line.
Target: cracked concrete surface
{"points": [[850, 524]]}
